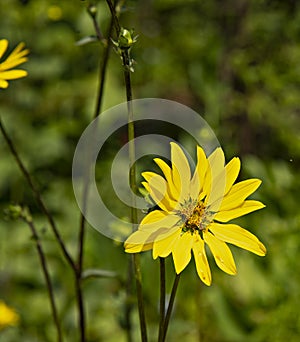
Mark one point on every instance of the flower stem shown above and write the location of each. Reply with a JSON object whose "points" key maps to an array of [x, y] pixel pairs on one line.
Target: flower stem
{"points": [[170, 307], [132, 172], [37, 195], [162, 297], [81, 235], [46, 275]]}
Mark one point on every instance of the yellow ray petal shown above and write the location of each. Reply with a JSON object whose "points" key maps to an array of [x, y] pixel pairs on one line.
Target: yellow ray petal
{"points": [[3, 83], [157, 188], [18, 52], [3, 46], [201, 166], [221, 253], [13, 74], [168, 175], [238, 236], [238, 193], [195, 187], [12, 63], [155, 222], [154, 216], [182, 251], [214, 185], [246, 208], [138, 242], [181, 173], [232, 171], [163, 245], [201, 262]]}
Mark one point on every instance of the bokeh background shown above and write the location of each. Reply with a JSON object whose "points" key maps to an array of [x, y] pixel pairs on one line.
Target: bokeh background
{"points": [[235, 62]]}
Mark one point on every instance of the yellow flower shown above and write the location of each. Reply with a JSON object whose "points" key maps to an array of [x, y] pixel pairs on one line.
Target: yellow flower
{"points": [[192, 211], [8, 316], [16, 58]]}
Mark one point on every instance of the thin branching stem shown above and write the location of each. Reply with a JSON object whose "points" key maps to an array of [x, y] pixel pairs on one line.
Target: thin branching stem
{"points": [[132, 173], [170, 307], [162, 297], [46, 275], [37, 195], [81, 235]]}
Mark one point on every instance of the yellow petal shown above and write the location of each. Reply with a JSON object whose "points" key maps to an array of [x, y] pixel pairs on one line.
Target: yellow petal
{"points": [[181, 173], [163, 245], [195, 187], [215, 179], [12, 63], [168, 175], [221, 253], [139, 241], [232, 171], [13, 74], [201, 166], [3, 83], [238, 193], [157, 188], [3, 46], [153, 222], [238, 236], [18, 52], [182, 251], [153, 217], [201, 262], [246, 208]]}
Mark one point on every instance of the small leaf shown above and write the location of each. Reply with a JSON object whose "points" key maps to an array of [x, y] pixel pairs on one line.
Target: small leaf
{"points": [[98, 273], [86, 40]]}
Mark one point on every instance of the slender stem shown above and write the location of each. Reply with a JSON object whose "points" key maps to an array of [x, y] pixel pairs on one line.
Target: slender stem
{"points": [[114, 15], [132, 173], [170, 307], [162, 297], [81, 235], [37, 195], [129, 303], [46, 275]]}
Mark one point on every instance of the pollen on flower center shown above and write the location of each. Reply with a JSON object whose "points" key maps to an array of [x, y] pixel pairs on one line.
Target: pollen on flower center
{"points": [[195, 216]]}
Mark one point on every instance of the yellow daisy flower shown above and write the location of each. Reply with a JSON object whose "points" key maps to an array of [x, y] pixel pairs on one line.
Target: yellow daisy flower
{"points": [[192, 211], [16, 58], [8, 316]]}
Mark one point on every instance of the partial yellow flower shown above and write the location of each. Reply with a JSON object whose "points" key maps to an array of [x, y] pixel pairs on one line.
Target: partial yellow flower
{"points": [[8, 316], [17, 57], [193, 210]]}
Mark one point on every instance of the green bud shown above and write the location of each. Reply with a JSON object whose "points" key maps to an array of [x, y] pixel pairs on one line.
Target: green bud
{"points": [[126, 39], [92, 9]]}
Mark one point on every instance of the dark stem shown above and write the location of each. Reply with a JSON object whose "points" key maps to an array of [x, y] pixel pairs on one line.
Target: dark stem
{"points": [[129, 302], [47, 277], [81, 235], [162, 297], [132, 173], [37, 195], [170, 307]]}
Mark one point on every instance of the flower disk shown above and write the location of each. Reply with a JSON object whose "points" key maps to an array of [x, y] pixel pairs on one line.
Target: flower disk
{"points": [[193, 212], [17, 57]]}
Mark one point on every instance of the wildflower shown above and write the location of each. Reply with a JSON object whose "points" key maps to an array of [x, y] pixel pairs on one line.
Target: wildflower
{"points": [[193, 212], [8, 316], [16, 58]]}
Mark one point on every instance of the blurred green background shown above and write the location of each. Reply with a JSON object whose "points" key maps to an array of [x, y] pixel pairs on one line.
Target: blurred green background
{"points": [[237, 63]]}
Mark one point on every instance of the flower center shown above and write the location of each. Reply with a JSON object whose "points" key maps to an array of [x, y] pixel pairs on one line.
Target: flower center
{"points": [[195, 216]]}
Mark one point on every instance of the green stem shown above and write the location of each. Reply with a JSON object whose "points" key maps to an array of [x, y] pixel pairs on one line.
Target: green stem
{"points": [[162, 297], [170, 307], [46, 275], [37, 195], [132, 173], [132, 181], [81, 235]]}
